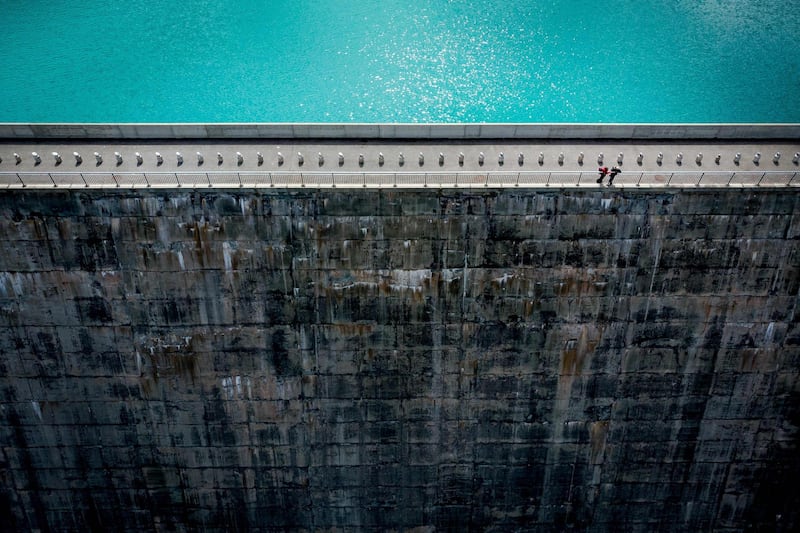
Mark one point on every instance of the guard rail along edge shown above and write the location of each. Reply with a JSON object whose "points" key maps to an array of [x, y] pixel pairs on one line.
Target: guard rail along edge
{"points": [[378, 180]]}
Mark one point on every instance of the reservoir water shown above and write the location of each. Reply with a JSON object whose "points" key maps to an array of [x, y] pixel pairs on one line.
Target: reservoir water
{"points": [[400, 61]]}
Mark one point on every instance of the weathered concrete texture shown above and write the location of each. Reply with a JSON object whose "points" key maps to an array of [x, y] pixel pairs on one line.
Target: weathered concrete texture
{"points": [[398, 131], [310, 360]]}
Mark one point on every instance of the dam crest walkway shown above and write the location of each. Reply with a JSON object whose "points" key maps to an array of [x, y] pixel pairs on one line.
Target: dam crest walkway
{"points": [[401, 164]]}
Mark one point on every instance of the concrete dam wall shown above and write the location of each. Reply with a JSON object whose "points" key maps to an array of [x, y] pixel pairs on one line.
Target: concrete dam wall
{"points": [[499, 360]]}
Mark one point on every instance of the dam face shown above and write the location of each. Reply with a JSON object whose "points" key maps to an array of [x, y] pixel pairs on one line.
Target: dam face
{"points": [[440, 360]]}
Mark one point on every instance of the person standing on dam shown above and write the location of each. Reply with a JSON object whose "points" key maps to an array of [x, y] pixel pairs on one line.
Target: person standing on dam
{"points": [[614, 172], [603, 173]]}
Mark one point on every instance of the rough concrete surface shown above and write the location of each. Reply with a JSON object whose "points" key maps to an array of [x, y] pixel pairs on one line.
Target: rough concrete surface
{"points": [[500, 360]]}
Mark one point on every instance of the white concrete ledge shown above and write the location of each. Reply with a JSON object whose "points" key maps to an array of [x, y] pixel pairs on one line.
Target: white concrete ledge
{"points": [[233, 131]]}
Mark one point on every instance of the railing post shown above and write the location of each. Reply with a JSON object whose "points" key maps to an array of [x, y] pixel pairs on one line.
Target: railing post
{"points": [[51, 179], [424, 180], [670, 178], [86, 183], [302, 180], [20, 180], [580, 175], [791, 179], [700, 179], [395, 179], [114, 177], [761, 178], [639, 182], [547, 183], [517, 183], [733, 174]]}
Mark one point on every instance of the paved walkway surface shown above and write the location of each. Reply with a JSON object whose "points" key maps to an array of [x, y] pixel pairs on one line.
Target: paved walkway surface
{"points": [[412, 164]]}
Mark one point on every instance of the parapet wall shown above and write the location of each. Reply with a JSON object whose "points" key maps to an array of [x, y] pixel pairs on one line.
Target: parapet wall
{"points": [[389, 360], [400, 131]]}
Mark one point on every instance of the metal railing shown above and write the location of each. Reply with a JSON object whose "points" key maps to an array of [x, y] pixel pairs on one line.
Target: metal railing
{"points": [[377, 180]]}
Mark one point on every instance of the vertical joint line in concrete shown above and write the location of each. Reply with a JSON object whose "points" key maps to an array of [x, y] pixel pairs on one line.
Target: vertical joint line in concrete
{"points": [[464, 286], [653, 278]]}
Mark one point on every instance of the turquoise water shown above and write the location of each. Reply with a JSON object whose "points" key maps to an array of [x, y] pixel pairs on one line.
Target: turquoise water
{"points": [[400, 61]]}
